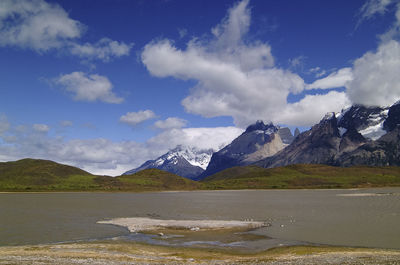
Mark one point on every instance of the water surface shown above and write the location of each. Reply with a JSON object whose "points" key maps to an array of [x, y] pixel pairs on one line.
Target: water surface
{"points": [[366, 218]]}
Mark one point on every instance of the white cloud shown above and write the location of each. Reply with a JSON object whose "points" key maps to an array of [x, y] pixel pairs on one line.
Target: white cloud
{"points": [[373, 7], [36, 24], [297, 62], [202, 138], [134, 118], [105, 49], [102, 156], [170, 123], [42, 26], [376, 76], [235, 77], [43, 128], [335, 80], [4, 124], [89, 87], [308, 110], [317, 71]]}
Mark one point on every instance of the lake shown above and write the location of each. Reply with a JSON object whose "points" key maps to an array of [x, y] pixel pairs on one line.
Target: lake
{"points": [[363, 218]]}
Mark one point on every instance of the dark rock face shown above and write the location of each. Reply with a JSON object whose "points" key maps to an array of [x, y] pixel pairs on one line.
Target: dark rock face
{"points": [[360, 117], [351, 140], [258, 141], [286, 135], [339, 142], [318, 146], [383, 152], [393, 119], [296, 132]]}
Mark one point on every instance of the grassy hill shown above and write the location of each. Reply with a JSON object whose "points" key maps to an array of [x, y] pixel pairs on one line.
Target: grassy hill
{"points": [[44, 175], [147, 180], [36, 174], [303, 176]]}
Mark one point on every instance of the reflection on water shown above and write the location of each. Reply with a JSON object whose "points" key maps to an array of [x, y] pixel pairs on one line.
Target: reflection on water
{"points": [[367, 218]]}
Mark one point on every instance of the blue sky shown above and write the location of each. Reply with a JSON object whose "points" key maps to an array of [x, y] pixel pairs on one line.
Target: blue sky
{"points": [[105, 85]]}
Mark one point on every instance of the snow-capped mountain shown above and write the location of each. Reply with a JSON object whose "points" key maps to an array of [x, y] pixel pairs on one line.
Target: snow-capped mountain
{"points": [[367, 121], [359, 135], [184, 161]]}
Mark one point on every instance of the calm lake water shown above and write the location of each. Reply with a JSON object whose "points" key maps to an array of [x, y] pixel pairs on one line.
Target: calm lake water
{"points": [[366, 218]]}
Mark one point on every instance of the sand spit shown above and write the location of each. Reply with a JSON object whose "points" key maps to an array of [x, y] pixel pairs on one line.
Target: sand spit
{"points": [[137, 224]]}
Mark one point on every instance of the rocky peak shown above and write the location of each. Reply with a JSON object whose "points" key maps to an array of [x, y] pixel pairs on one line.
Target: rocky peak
{"points": [[296, 132], [260, 126], [393, 119], [368, 121]]}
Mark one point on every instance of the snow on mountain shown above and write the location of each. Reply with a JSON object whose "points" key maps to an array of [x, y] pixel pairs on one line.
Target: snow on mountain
{"points": [[193, 155], [368, 121], [184, 161]]}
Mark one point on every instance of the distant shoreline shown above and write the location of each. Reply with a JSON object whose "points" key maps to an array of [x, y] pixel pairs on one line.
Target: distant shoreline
{"points": [[198, 190]]}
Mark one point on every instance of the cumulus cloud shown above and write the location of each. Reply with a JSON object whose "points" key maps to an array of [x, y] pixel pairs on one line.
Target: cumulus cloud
{"points": [[309, 109], [105, 49], [87, 87], [170, 123], [43, 128], [36, 24], [202, 138], [103, 156], [335, 80], [42, 26], [235, 77], [134, 118], [376, 76], [376, 80]]}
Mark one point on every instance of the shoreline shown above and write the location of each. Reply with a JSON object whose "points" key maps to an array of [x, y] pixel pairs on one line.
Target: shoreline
{"points": [[196, 190], [116, 253]]}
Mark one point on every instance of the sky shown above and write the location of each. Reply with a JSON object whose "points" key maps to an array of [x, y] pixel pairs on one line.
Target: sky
{"points": [[106, 85]]}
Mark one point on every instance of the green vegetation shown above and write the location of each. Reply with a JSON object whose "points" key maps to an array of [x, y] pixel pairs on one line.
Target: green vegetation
{"points": [[148, 180], [303, 176], [44, 175]]}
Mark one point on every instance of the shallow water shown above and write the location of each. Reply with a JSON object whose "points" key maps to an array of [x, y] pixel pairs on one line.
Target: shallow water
{"points": [[366, 218]]}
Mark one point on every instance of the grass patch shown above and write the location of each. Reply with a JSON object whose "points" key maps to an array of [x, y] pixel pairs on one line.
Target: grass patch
{"points": [[303, 176]]}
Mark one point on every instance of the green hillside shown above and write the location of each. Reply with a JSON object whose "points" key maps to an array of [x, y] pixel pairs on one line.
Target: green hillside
{"points": [[303, 176], [149, 180], [36, 174], [44, 175]]}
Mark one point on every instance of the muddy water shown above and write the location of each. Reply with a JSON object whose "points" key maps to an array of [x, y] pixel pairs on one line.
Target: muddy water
{"points": [[366, 218]]}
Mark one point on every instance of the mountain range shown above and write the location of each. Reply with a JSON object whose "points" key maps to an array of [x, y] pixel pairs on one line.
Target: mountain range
{"points": [[358, 135]]}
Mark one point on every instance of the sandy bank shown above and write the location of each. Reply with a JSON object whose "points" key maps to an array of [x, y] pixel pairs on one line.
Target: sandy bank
{"points": [[114, 253], [137, 224]]}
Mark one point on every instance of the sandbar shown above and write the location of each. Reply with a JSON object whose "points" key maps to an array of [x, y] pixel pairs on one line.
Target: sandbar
{"points": [[138, 224]]}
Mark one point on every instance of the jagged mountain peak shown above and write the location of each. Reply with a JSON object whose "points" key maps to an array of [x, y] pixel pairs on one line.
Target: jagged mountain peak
{"points": [[195, 156], [261, 126], [185, 161], [367, 120]]}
